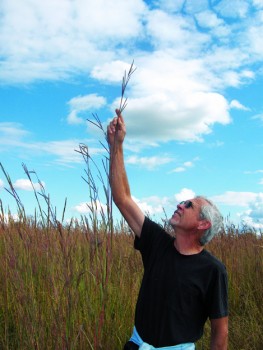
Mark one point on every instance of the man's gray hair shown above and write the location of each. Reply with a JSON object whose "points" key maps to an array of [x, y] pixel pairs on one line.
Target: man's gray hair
{"points": [[211, 213]]}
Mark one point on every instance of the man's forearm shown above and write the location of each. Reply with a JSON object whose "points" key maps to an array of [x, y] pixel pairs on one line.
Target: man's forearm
{"points": [[118, 178], [219, 342]]}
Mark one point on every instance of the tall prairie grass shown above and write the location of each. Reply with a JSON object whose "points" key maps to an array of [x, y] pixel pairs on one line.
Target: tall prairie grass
{"points": [[74, 285], [72, 288]]}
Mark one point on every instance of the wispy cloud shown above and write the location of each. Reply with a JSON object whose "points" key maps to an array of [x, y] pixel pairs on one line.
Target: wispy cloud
{"points": [[62, 152], [1, 184], [10, 131], [148, 162], [258, 116], [259, 171], [184, 166], [237, 105]]}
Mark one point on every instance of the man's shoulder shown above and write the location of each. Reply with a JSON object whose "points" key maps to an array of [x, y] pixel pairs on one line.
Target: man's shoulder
{"points": [[213, 260], [149, 224], [152, 234]]}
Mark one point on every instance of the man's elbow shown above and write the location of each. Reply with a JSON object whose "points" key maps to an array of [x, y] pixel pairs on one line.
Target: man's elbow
{"points": [[120, 200]]}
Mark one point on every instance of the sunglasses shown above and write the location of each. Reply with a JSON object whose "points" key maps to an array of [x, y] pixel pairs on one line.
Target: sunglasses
{"points": [[187, 204]]}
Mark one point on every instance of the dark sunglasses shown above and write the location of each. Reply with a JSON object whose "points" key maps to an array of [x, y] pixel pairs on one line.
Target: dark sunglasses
{"points": [[187, 204]]}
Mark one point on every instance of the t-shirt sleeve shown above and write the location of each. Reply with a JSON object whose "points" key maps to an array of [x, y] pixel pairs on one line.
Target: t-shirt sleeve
{"points": [[152, 240], [218, 299]]}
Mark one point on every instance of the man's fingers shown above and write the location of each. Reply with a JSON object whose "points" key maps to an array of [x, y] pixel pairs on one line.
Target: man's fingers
{"points": [[112, 125], [120, 117]]}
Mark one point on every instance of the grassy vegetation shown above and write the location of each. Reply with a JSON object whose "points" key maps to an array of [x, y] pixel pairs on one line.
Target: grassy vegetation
{"points": [[74, 287]]}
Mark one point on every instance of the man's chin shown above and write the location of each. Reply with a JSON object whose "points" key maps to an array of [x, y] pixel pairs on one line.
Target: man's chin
{"points": [[173, 222]]}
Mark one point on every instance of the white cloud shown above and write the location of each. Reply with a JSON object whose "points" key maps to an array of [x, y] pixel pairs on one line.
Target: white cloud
{"points": [[152, 205], [261, 182], [258, 116], [176, 33], [1, 184], [59, 37], [14, 217], [232, 198], [170, 5], [183, 195], [258, 3], [159, 118], [25, 184], [259, 171], [82, 104], [13, 135], [148, 162], [237, 105], [217, 143], [208, 19], [253, 216], [254, 38], [88, 208], [182, 72], [252, 202], [188, 164], [11, 131], [233, 8], [192, 6], [179, 169], [110, 71], [183, 168]]}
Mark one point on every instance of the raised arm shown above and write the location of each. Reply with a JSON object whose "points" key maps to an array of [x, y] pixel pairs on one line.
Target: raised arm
{"points": [[118, 178]]}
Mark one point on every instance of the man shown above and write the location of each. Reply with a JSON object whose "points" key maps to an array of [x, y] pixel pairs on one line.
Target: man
{"points": [[183, 284]]}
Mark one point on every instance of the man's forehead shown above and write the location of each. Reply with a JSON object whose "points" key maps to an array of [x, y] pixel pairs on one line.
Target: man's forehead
{"points": [[199, 201]]}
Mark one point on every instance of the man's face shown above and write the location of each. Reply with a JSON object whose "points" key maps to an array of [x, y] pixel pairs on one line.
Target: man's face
{"points": [[187, 214]]}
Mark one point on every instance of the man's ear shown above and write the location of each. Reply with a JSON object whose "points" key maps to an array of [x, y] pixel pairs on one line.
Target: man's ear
{"points": [[204, 225]]}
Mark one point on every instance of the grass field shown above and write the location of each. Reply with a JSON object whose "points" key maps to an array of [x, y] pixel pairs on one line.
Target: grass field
{"points": [[75, 287]]}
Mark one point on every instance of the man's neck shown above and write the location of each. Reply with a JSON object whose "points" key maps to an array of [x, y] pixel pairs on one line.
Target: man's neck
{"points": [[187, 247]]}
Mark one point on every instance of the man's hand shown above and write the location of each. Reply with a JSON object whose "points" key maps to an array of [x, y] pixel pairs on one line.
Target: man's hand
{"points": [[116, 130]]}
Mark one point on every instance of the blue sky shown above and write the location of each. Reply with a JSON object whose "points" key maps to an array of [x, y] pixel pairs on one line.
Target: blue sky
{"points": [[195, 108]]}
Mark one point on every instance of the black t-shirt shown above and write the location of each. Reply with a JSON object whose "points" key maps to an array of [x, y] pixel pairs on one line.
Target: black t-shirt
{"points": [[178, 292]]}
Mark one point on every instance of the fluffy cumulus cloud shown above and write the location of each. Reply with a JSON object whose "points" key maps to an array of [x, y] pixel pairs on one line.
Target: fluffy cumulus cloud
{"points": [[81, 104], [182, 70], [152, 205], [57, 38], [184, 194], [26, 185], [91, 208], [252, 215], [169, 102], [232, 198]]}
